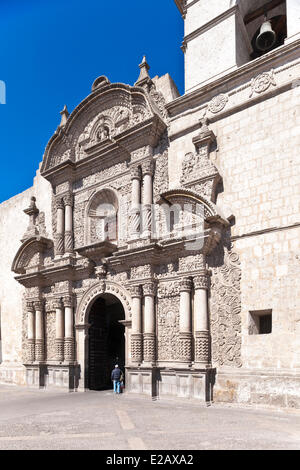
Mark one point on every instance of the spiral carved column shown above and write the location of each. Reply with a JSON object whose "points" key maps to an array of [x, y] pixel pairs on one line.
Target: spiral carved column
{"points": [[60, 227], [68, 237], [202, 339], [149, 343], [136, 335], [185, 323], [31, 331], [60, 327], [135, 213], [148, 172], [69, 330], [39, 331]]}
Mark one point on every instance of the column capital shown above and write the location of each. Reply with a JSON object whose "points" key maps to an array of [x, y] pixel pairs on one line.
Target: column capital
{"points": [[39, 305], [186, 284], [149, 289], [30, 306], [68, 301], [59, 201], [136, 291], [135, 172], [57, 303], [148, 167], [69, 199], [202, 280]]}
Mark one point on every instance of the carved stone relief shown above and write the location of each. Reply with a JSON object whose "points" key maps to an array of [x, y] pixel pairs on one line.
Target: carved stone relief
{"points": [[225, 307], [168, 328]]}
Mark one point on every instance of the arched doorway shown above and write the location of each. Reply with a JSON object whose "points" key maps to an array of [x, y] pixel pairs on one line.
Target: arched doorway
{"points": [[106, 341]]}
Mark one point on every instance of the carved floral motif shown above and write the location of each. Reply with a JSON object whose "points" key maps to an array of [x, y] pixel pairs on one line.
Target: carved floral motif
{"points": [[218, 103], [225, 308], [262, 82]]}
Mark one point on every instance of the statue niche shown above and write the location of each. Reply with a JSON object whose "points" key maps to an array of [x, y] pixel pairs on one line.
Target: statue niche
{"points": [[102, 217]]}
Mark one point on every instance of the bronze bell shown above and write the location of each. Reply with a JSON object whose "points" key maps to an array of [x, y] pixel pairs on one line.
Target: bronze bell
{"points": [[266, 38]]}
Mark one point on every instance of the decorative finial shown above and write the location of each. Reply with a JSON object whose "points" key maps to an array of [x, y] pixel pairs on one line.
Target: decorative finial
{"points": [[144, 77], [33, 213], [64, 116]]}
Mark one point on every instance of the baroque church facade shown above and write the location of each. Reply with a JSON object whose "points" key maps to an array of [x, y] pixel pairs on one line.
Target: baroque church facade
{"points": [[162, 231]]}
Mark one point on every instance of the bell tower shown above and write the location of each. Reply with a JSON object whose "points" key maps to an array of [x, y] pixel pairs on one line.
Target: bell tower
{"points": [[222, 35]]}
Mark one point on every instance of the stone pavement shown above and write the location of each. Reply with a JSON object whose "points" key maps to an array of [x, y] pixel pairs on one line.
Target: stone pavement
{"points": [[38, 419]]}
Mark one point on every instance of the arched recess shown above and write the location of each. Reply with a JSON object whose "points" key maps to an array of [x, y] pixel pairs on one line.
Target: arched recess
{"points": [[96, 291], [101, 217]]}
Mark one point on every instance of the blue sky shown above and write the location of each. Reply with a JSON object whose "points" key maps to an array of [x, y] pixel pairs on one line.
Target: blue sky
{"points": [[51, 51]]}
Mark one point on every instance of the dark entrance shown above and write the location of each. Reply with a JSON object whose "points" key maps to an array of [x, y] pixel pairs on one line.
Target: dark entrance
{"points": [[106, 341]]}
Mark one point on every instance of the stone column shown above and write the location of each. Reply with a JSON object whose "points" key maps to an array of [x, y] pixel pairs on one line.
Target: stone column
{"points": [[60, 227], [135, 215], [31, 331], [149, 346], [202, 342], [136, 335], [69, 245], [185, 320], [39, 331], [60, 330], [69, 330], [148, 171]]}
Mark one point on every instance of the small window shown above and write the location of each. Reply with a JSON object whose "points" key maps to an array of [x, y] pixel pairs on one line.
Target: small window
{"points": [[260, 322]]}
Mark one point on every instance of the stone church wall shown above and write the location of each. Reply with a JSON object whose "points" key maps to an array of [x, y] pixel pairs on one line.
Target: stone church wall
{"points": [[257, 155], [12, 228]]}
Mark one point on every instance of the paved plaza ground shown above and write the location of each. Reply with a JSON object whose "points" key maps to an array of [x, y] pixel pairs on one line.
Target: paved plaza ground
{"points": [[39, 419]]}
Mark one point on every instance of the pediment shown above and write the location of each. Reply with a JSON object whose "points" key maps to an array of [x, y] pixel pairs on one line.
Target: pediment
{"points": [[29, 254], [106, 115]]}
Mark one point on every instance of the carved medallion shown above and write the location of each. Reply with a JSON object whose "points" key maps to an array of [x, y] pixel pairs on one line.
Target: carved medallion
{"points": [[262, 82], [217, 103]]}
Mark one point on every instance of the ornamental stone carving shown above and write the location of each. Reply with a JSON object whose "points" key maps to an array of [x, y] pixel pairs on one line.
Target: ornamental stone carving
{"points": [[149, 347], [186, 284], [148, 167], [262, 82], [136, 291], [137, 347], [168, 289], [201, 281], [218, 103], [202, 347], [149, 289], [185, 347], [168, 329], [225, 308]]}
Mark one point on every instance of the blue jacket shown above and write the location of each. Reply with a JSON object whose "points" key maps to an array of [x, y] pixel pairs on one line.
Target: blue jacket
{"points": [[116, 374]]}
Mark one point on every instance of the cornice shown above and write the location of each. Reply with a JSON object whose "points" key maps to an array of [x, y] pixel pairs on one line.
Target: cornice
{"points": [[252, 67]]}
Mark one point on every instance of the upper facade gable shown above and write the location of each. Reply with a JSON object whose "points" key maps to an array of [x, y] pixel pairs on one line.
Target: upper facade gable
{"points": [[106, 119]]}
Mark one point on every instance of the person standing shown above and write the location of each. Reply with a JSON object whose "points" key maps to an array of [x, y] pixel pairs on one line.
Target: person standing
{"points": [[116, 376]]}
